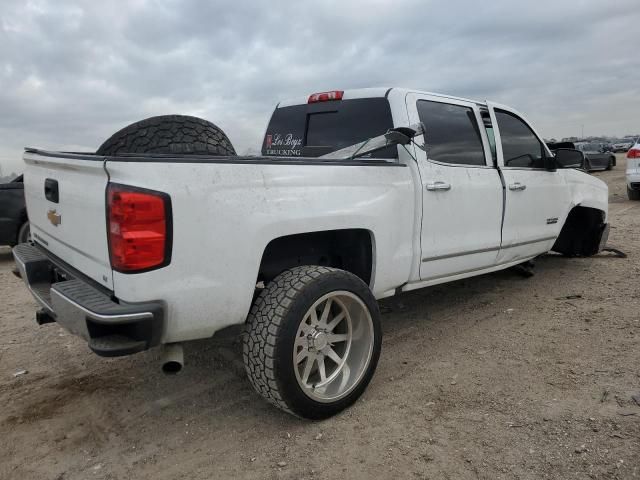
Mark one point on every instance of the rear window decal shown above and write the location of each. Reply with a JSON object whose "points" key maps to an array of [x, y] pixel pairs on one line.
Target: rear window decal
{"points": [[287, 143]]}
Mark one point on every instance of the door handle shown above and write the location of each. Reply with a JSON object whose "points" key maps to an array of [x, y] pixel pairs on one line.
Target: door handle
{"points": [[517, 186], [438, 186]]}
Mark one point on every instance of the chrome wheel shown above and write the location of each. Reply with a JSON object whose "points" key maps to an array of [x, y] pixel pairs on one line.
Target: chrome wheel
{"points": [[333, 346], [312, 340]]}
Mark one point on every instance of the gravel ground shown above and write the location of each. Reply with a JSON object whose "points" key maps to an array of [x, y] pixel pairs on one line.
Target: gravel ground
{"points": [[492, 377]]}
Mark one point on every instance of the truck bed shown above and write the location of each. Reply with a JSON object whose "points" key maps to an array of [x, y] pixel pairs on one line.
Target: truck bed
{"points": [[225, 213]]}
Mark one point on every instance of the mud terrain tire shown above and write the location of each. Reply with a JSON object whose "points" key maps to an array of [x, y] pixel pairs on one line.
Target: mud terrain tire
{"points": [[271, 335], [169, 134]]}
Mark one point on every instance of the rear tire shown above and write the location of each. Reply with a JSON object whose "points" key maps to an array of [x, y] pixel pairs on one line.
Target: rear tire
{"points": [[312, 341], [633, 194], [169, 134]]}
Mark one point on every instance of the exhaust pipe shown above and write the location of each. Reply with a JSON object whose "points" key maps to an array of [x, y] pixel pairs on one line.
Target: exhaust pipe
{"points": [[172, 358]]}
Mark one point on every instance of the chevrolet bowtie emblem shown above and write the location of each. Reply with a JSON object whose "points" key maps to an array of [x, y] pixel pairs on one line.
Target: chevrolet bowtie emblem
{"points": [[54, 218]]}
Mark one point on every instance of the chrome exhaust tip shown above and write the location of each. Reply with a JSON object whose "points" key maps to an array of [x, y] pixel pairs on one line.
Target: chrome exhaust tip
{"points": [[172, 358]]}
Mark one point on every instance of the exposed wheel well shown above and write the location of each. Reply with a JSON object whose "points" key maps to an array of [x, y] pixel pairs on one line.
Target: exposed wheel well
{"points": [[581, 233], [350, 250]]}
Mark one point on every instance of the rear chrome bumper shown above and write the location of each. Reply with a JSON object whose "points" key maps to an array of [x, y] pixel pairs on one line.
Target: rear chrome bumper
{"points": [[112, 328]]}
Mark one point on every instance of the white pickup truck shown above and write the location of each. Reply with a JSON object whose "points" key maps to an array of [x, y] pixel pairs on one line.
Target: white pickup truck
{"points": [[165, 235]]}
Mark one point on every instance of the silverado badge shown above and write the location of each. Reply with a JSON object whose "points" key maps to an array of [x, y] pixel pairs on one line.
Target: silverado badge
{"points": [[54, 218]]}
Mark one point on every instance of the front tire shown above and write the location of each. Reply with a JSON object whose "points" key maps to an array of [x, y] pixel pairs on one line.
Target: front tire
{"points": [[313, 341]]}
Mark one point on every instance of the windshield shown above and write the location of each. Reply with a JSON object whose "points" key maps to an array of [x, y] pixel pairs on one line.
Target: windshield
{"points": [[319, 128]]}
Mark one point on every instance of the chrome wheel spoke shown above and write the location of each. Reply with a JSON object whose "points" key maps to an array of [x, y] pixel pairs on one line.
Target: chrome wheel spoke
{"points": [[331, 353], [325, 312], [337, 337], [314, 317], [301, 341], [302, 354], [305, 329], [307, 369], [335, 321], [321, 369]]}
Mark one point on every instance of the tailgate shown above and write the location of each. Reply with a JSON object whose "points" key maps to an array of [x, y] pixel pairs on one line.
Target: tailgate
{"points": [[65, 196]]}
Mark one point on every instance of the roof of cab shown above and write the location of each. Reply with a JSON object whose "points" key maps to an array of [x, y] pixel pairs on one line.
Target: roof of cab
{"points": [[371, 93]]}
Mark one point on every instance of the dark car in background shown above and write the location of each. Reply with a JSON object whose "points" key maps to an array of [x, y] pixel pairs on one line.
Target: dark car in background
{"points": [[14, 224], [597, 156]]}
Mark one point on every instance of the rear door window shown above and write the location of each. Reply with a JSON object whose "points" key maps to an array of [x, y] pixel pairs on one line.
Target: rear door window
{"points": [[319, 128], [452, 134]]}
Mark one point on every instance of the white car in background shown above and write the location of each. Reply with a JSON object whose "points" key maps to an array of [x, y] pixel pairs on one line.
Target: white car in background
{"points": [[633, 171]]}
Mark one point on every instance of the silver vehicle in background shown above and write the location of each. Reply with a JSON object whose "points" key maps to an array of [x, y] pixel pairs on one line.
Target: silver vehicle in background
{"points": [[622, 147]]}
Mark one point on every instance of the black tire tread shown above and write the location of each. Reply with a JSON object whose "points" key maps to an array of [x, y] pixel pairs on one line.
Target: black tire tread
{"points": [[263, 325], [633, 194], [169, 134]]}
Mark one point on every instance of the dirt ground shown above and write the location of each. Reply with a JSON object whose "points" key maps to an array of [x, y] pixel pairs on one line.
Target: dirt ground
{"points": [[492, 377]]}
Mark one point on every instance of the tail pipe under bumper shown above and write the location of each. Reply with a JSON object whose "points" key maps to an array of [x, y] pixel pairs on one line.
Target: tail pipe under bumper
{"points": [[172, 358]]}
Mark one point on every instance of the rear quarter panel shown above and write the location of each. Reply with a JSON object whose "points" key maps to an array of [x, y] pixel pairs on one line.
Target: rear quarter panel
{"points": [[224, 215]]}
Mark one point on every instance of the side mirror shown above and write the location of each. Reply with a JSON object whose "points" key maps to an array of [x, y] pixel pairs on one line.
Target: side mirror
{"points": [[569, 158]]}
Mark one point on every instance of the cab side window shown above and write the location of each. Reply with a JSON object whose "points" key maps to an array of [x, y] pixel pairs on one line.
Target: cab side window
{"points": [[452, 133], [520, 147]]}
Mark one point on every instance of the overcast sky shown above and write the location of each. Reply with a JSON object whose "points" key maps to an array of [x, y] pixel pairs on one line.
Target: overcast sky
{"points": [[73, 72]]}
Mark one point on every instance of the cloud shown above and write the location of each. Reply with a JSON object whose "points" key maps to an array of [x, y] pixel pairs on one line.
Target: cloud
{"points": [[71, 73]]}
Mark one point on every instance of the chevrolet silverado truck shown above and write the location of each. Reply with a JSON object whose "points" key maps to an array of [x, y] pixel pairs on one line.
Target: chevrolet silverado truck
{"points": [[165, 235]]}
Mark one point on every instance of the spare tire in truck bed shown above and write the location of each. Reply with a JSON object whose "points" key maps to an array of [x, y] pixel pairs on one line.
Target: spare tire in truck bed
{"points": [[178, 134]]}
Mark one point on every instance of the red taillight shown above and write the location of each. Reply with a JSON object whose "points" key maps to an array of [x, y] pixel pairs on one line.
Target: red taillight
{"points": [[325, 96], [139, 228], [633, 153]]}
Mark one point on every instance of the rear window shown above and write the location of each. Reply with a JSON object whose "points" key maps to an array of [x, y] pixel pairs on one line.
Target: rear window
{"points": [[320, 128]]}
